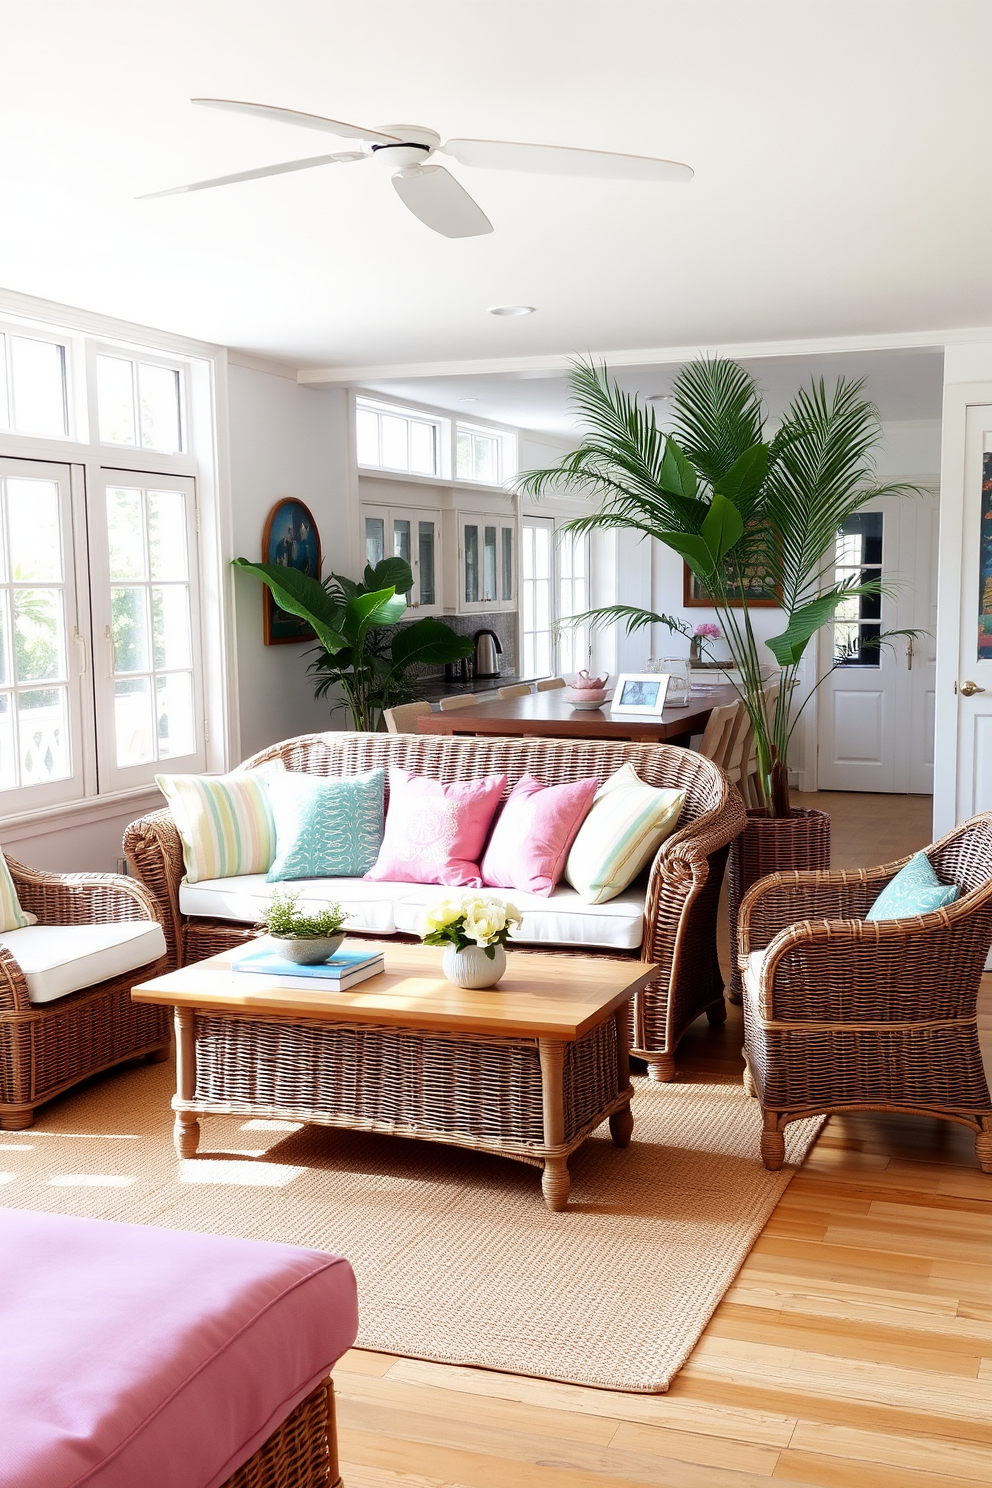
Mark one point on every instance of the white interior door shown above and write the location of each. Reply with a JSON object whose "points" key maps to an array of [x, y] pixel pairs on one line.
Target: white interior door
{"points": [[876, 706], [966, 661]]}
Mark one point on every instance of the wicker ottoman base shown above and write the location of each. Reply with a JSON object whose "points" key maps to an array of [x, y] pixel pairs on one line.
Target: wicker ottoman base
{"points": [[301, 1453]]}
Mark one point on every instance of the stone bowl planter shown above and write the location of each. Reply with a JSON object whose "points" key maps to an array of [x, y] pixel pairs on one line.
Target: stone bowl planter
{"points": [[307, 952]]}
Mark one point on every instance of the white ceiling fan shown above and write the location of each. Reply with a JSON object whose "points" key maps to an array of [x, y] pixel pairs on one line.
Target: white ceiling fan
{"points": [[429, 191]]}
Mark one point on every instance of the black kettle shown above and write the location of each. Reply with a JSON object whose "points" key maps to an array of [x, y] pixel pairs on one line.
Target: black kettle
{"points": [[488, 651]]}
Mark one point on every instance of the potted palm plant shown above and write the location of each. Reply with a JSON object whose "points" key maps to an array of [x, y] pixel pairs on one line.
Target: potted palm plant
{"points": [[363, 650], [746, 513]]}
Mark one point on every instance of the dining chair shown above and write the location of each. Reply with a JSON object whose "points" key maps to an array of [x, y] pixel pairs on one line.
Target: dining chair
{"points": [[518, 689], [548, 684], [461, 700], [718, 735], [403, 719]]}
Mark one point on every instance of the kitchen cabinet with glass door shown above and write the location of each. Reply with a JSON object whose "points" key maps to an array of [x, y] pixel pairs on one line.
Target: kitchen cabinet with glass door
{"points": [[487, 551], [398, 532]]}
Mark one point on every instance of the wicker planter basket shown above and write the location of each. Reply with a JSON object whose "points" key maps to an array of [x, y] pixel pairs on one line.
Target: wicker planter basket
{"points": [[772, 844]]}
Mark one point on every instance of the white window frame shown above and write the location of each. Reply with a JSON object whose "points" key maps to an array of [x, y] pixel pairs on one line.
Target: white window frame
{"points": [[410, 416], [530, 648], [205, 458], [75, 600], [572, 644], [10, 329], [506, 452], [150, 358], [113, 776]]}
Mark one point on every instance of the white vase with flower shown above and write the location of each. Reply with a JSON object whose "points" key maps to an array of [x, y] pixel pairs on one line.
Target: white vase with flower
{"points": [[473, 928]]}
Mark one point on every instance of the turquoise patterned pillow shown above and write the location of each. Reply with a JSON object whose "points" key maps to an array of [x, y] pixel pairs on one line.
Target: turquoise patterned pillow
{"points": [[326, 828], [915, 890]]}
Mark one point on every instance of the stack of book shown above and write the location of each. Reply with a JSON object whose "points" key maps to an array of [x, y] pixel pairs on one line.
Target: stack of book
{"points": [[344, 969]]}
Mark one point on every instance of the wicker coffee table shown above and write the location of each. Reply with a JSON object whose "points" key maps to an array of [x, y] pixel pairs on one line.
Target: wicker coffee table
{"points": [[527, 1070]]}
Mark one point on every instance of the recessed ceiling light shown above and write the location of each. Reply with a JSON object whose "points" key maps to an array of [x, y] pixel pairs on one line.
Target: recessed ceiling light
{"points": [[468, 400], [512, 310]]}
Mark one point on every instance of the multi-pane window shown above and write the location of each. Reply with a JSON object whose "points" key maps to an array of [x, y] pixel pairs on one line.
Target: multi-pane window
{"points": [[572, 554], [139, 403], [100, 654], [478, 455], [149, 635], [858, 620], [33, 388], [536, 593], [36, 598], [388, 439]]}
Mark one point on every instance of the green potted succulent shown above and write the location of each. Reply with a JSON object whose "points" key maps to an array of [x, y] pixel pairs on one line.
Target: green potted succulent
{"points": [[364, 649], [307, 939], [735, 505]]}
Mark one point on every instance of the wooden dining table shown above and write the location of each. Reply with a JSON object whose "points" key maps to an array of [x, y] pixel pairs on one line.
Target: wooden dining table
{"points": [[550, 715]]}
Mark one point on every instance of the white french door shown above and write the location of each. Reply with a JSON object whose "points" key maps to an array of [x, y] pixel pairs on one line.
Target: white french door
{"points": [[876, 708], [146, 627], [536, 596], [42, 643]]}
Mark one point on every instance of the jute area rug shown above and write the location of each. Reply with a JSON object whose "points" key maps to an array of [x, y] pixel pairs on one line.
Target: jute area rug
{"points": [[457, 1257]]}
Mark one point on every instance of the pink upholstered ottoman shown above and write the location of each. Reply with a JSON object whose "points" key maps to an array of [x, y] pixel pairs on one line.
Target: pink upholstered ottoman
{"points": [[134, 1357]]}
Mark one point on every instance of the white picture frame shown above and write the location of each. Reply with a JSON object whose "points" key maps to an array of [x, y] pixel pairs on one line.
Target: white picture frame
{"points": [[640, 693]]}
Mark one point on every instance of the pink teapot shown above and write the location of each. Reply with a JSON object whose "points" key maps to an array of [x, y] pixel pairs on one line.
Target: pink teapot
{"points": [[588, 689]]}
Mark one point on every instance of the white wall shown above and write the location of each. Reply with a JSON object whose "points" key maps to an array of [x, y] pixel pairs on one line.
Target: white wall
{"points": [[285, 440]]}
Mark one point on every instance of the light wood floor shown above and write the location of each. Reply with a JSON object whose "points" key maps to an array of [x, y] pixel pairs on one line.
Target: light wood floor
{"points": [[853, 1351]]}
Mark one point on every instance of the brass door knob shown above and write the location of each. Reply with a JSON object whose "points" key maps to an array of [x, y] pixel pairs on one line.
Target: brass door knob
{"points": [[968, 689]]}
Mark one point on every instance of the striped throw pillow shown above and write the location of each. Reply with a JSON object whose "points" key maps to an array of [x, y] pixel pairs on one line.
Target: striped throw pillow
{"points": [[627, 824], [12, 916], [225, 822]]}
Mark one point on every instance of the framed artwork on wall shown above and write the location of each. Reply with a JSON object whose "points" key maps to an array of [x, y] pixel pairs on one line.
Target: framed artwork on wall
{"points": [[759, 590], [291, 539]]}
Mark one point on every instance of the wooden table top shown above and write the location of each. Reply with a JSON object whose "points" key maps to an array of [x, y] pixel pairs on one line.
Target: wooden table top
{"points": [[549, 715], [540, 996]]}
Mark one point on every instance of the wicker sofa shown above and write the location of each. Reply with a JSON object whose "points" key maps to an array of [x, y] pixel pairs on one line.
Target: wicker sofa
{"points": [[676, 926]]}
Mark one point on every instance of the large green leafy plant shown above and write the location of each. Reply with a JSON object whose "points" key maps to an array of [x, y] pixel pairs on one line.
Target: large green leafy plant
{"points": [[364, 650], [732, 504]]}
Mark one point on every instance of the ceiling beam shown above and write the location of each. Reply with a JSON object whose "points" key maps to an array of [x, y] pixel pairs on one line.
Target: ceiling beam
{"points": [[644, 356]]}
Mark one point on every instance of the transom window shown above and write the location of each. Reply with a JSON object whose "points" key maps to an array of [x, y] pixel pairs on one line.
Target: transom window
{"points": [[478, 455], [392, 439], [33, 387], [139, 403]]}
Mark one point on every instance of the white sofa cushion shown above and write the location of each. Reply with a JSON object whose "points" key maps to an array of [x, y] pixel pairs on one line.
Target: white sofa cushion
{"points": [[385, 908], [369, 906], [563, 918], [58, 959]]}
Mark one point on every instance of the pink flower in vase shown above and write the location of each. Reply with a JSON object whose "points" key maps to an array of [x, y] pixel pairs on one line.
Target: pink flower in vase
{"points": [[705, 632]]}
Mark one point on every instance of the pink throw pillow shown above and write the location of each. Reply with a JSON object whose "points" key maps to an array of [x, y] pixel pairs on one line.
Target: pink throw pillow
{"points": [[436, 832], [535, 830]]}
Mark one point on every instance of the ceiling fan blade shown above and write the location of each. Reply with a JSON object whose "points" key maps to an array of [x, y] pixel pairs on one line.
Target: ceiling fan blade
{"points": [[293, 116], [562, 160], [432, 194], [254, 175]]}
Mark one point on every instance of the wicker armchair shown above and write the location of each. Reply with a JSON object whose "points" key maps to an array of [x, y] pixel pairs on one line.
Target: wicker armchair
{"points": [[683, 888], [46, 1048], [843, 1013]]}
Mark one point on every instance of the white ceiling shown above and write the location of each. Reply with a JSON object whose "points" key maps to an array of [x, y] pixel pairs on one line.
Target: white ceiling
{"points": [[903, 385], [840, 150]]}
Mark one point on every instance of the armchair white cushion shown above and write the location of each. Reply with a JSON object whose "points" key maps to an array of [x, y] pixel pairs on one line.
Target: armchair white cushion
{"points": [[59, 959]]}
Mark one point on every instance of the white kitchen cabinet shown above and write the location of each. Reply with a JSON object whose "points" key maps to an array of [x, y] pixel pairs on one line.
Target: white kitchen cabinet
{"points": [[487, 563], [400, 532]]}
